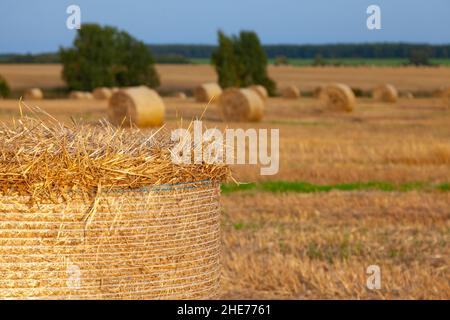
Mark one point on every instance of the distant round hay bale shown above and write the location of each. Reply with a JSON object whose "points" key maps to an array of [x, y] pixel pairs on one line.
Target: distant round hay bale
{"points": [[241, 105], [80, 95], [408, 95], [77, 95], [34, 94], [260, 90], [180, 95], [339, 97], [385, 93], [444, 95], [290, 92], [141, 106], [207, 92], [317, 91], [102, 93]]}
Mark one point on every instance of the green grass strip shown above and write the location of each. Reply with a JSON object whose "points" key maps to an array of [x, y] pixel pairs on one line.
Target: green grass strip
{"points": [[306, 187]]}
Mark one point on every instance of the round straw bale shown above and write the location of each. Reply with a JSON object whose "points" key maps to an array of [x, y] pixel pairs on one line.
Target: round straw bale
{"points": [[76, 95], [141, 106], [385, 93], [260, 90], [444, 95], [34, 94], [88, 95], [102, 93], [317, 91], [290, 92], [241, 105], [408, 95], [180, 95], [338, 96], [207, 91]]}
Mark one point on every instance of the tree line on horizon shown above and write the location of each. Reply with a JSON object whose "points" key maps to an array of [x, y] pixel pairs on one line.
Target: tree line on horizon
{"points": [[181, 53]]}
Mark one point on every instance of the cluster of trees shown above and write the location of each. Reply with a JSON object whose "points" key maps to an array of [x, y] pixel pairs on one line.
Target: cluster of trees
{"points": [[240, 61], [182, 53], [327, 51], [105, 56], [4, 88]]}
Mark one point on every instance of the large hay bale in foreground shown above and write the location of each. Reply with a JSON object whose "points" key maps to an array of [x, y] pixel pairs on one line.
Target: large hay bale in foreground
{"points": [[102, 93], [260, 90], [338, 97], [33, 94], [385, 93], [207, 92], [241, 105], [290, 92], [140, 106], [104, 214]]}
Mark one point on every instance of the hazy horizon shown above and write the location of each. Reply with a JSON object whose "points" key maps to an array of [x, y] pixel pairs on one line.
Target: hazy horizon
{"points": [[38, 27]]}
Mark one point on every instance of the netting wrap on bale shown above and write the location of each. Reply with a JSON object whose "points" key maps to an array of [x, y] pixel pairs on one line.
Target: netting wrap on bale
{"points": [[150, 243], [103, 213]]}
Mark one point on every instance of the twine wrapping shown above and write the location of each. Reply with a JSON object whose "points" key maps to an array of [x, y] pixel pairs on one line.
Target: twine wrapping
{"points": [[160, 242]]}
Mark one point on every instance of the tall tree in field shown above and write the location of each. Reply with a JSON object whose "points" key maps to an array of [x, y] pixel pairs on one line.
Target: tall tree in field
{"points": [[226, 62], [241, 61], [253, 62], [105, 56]]}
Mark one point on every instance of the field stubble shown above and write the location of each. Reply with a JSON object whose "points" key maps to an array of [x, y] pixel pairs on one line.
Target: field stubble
{"points": [[318, 245]]}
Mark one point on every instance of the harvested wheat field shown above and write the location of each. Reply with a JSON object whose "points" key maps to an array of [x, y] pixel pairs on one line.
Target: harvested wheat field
{"points": [[370, 187], [180, 77]]}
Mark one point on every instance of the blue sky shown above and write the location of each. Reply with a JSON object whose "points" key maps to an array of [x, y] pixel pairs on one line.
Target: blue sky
{"points": [[39, 26]]}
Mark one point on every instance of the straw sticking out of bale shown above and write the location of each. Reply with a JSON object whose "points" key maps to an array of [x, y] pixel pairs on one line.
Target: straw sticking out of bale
{"points": [[338, 97], [140, 106], [241, 105], [290, 92], [260, 90], [95, 212], [207, 91], [102, 93], [34, 94], [385, 93]]}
